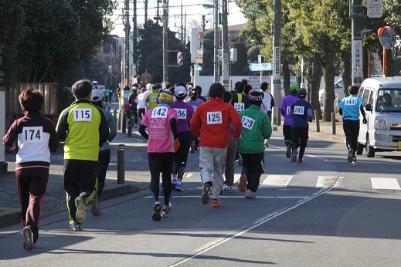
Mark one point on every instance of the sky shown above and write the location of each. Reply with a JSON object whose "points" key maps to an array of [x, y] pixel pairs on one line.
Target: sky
{"points": [[193, 8]]}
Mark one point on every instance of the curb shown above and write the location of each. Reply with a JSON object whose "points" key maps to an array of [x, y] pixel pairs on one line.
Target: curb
{"points": [[13, 216]]}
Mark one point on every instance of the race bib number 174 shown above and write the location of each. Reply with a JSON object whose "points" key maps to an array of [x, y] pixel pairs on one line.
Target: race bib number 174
{"points": [[214, 117], [32, 134]]}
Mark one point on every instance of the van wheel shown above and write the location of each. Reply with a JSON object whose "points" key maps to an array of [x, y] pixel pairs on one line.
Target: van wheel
{"points": [[370, 151], [360, 148]]}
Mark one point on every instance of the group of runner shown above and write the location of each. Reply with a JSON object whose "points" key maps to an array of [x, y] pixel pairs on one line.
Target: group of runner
{"points": [[226, 125]]}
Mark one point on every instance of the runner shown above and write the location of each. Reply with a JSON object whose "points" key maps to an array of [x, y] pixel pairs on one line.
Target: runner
{"points": [[104, 154], [231, 151], [32, 137], [256, 127], [83, 128], [162, 136], [285, 111], [184, 115], [349, 109], [268, 100], [211, 122], [142, 103], [239, 97], [195, 102], [151, 99], [199, 91], [301, 113], [133, 107]]}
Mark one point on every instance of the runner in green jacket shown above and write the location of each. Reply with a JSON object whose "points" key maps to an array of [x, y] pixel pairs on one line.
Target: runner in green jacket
{"points": [[256, 127]]}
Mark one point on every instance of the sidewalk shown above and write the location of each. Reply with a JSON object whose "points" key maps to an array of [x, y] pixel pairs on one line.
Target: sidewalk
{"points": [[136, 179]]}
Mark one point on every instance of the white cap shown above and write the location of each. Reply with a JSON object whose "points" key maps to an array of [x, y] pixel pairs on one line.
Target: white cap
{"points": [[97, 95], [180, 91]]}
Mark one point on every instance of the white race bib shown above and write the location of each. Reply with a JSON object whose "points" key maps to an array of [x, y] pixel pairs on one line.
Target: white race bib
{"points": [[299, 110], [288, 111], [83, 114], [239, 106], [32, 134], [214, 117], [247, 122], [350, 102], [181, 113], [159, 113]]}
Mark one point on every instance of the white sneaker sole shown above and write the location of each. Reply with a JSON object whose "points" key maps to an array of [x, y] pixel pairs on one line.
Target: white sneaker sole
{"points": [[80, 214]]}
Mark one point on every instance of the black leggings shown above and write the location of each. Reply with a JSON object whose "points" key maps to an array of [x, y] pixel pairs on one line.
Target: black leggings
{"points": [[253, 168], [351, 130], [287, 134], [300, 139], [180, 158], [161, 163]]}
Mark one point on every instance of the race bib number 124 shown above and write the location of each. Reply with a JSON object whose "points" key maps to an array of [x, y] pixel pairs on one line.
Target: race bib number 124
{"points": [[214, 117]]}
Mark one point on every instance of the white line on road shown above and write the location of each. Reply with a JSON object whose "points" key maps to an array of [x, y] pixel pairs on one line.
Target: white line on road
{"points": [[242, 197], [276, 181], [326, 181], [256, 224], [385, 183]]}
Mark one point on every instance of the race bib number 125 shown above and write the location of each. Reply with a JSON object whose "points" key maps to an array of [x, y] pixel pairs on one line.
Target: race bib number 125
{"points": [[159, 113], [83, 114], [214, 117]]}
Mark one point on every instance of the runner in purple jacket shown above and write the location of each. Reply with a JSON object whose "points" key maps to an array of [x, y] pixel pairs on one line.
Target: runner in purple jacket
{"points": [[184, 115], [285, 110]]}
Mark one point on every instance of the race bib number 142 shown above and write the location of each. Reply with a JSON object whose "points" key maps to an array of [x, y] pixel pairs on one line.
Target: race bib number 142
{"points": [[159, 113], [214, 117]]}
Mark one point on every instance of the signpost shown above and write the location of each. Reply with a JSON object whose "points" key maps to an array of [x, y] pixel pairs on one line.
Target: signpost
{"points": [[387, 40], [260, 67], [3, 165]]}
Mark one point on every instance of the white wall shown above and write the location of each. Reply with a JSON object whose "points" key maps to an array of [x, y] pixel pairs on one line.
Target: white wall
{"points": [[2, 123]]}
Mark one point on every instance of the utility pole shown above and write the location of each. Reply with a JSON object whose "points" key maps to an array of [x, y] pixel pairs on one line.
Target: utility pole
{"points": [[226, 50], [135, 39], [165, 41], [146, 11], [203, 23], [216, 40], [158, 11], [126, 49], [185, 28], [182, 24], [357, 46], [276, 78]]}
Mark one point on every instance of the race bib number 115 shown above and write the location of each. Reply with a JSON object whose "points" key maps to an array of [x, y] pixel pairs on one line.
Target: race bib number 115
{"points": [[83, 114], [214, 117]]}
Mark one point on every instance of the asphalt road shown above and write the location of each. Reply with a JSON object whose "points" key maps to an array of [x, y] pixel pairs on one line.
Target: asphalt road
{"points": [[324, 213]]}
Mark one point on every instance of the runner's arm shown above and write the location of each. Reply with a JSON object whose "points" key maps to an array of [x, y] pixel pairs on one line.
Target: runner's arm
{"points": [[104, 130], [266, 128], [10, 138], [142, 131], [236, 122], [62, 126], [53, 141], [195, 123], [173, 127]]}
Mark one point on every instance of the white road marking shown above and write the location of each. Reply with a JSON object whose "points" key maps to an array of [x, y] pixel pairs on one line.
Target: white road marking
{"points": [[239, 197], [385, 183], [257, 223], [326, 181], [188, 174], [276, 181], [339, 183]]}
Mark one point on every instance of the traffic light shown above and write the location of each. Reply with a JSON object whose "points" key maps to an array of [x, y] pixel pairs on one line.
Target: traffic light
{"points": [[180, 58]]}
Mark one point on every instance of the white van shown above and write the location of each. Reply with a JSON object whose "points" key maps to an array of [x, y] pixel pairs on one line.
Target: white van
{"points": [[382, 97]]}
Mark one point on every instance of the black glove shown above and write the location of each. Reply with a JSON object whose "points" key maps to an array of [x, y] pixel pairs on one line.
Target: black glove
{"points": [[364, 121]]}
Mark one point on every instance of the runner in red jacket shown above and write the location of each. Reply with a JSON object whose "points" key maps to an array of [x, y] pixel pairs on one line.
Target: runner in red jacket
{"points": [[211, 123]]}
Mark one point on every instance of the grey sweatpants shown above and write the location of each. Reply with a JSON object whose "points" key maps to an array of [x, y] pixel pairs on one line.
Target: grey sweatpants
{"points": [[211, 163], [230, 162]]}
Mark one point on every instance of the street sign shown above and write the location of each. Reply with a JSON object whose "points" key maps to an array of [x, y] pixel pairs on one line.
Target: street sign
{"points": [[260, 66], [198, 67], [375, 8]]}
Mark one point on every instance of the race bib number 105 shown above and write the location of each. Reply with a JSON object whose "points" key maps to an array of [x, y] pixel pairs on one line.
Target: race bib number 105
{"points": [[299, 110], [32, 134], [247, 122], [159, 113], [83, 114], [181, 113], [214, 117]]}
